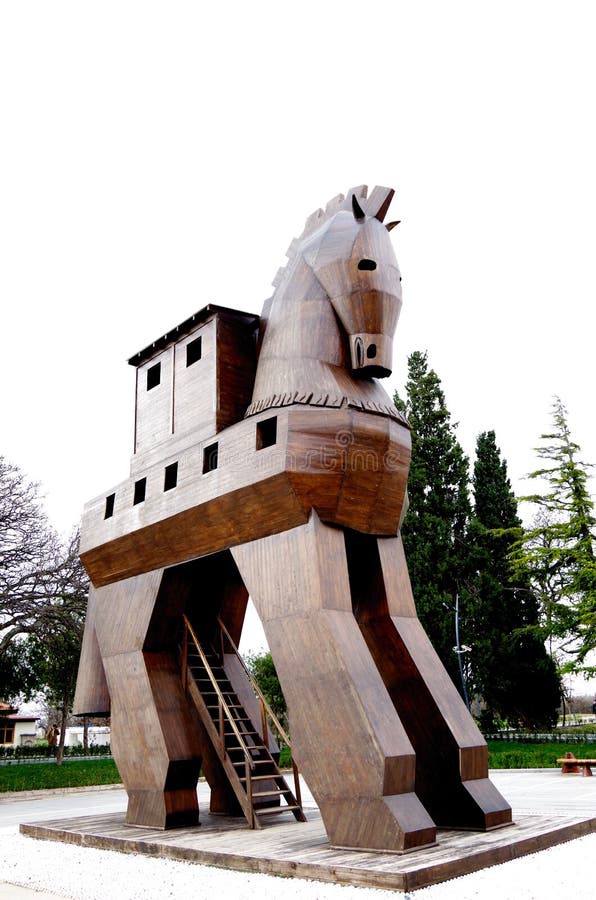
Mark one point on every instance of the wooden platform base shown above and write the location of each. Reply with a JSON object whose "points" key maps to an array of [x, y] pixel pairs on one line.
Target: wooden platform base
{"points": [[301, 850]]}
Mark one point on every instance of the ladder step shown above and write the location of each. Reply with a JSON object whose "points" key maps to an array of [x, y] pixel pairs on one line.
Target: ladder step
{"points": [[250, 748], [262, 762], [212, 683], [280, 793], [267, 777], [238, 720], [198, 662], [215, 707], [203, 672], [246, 734], [275, 810], [236, 749]]}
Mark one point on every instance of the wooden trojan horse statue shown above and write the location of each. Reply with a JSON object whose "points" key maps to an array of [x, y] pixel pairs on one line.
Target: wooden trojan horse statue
{"points": [[277, 468]]}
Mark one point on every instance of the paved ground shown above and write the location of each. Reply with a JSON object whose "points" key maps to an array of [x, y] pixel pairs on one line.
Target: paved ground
{"points": [[15, 892], [529, 792]]}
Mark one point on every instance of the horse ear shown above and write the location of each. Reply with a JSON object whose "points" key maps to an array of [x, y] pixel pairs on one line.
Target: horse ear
{"points": [[390, 225], [357, 209], [379, 201]]}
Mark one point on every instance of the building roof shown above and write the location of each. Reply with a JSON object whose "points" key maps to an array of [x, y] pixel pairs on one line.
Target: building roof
{"points": [[185, 327]]}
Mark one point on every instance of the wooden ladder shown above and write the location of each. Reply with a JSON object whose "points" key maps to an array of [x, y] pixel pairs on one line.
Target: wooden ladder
{"points": [[243, 751]]}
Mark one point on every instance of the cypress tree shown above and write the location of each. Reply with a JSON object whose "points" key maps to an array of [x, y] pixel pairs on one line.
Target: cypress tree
{"points": [[434, 528], [512, 671]]}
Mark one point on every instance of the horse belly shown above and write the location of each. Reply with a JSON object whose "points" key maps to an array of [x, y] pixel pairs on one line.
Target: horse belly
{"points": [[350, 465]]}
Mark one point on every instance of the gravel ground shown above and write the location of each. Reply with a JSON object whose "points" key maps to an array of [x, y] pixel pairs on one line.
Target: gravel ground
{"points": [[562, 872]]}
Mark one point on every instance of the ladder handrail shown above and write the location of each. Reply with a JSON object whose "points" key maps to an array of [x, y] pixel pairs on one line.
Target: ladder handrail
{"points": [[223, 705], [266, 708], [256, 687]]}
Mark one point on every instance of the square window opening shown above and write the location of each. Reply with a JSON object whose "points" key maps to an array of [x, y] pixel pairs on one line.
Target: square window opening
{"points": [[110, 506], [194, 351], [170, 477], [153, 376], [266, 433], [210, 458], [6, 734], [140, 489]]}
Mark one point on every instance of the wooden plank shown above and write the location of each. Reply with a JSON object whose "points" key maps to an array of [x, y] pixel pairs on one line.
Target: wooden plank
{"points": [[302, 850], [210, 480], [92, 696], [236, 364], [331, 459], [154, 403], [363, 783]]}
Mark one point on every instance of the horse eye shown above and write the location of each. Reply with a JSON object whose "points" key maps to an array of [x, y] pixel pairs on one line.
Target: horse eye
{"points": [[368, 265]]}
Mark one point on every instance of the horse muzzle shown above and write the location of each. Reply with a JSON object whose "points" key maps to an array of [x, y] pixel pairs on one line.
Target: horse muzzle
{"points": [[370, 355]]}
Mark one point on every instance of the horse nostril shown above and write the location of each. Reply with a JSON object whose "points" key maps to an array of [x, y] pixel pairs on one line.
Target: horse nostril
{"points": [[368, 265], [359, 348], [371, 351]]}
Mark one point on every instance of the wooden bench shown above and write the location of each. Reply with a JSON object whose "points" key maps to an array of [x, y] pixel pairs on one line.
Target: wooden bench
{"points": [[569, 764]]}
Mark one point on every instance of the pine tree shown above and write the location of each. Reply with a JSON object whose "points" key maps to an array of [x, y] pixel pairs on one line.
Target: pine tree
{"points": [[262, 669], [512, 671], [559, 548], [434, 528]]}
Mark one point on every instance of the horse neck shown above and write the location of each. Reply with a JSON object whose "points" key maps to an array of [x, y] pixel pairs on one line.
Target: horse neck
{"points": [[301, 338], [303, 356]]}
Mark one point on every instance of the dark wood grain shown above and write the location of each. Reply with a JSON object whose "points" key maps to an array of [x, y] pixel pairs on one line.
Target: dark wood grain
{"points": [[92, 697], [304, 852], [355, 756], [269, 459]]}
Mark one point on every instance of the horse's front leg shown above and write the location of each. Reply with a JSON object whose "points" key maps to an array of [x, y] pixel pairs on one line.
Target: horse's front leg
{"points": [[347, 736]]}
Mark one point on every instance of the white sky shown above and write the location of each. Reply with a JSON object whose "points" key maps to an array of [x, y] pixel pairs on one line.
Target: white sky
{"points": [[156, 157]]}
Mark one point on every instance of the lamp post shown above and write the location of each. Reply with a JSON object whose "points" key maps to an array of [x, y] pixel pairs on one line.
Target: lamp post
{"points": [[460, 649]]}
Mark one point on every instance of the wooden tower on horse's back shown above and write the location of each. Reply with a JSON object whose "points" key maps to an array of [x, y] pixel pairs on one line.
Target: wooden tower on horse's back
{"points": [[269, 460]]}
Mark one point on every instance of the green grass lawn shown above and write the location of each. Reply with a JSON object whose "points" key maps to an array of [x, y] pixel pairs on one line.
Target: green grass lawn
{"points": [[519, 755], [72, 773], [77, 773]]}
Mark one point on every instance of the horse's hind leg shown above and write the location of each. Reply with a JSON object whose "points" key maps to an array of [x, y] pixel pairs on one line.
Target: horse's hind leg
{"points": [[92, 697], [451, 754], [155, 740], [347, 737]]}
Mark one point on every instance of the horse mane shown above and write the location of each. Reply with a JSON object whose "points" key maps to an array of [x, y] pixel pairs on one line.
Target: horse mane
{"points": [[376, 205], [329, 393]]}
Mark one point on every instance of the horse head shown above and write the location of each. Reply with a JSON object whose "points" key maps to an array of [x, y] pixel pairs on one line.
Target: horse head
{"points": [[352, 258], [327, 331]]}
